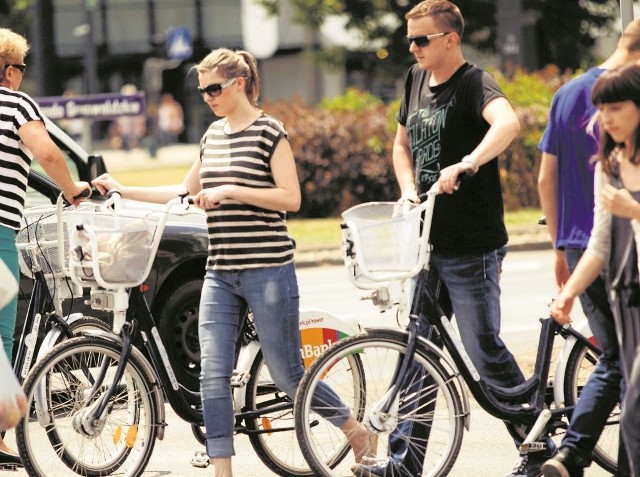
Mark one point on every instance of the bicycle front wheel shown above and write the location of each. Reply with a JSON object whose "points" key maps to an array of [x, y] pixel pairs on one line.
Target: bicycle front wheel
{"points": [[272, 434], [581, 363], [424, 424], [57, 437]]}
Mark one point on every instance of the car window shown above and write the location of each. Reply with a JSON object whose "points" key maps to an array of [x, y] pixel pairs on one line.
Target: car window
{"points": [[35, 198]]}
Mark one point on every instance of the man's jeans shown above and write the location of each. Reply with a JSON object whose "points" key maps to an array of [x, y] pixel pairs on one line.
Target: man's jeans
{"points": [[468, 286], [602, 391]]}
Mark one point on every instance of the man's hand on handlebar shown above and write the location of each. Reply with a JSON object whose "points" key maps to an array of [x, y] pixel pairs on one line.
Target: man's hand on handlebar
{"points": [[450, 177]]}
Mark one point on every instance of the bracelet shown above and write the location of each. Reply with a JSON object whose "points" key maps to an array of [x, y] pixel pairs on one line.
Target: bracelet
{"points": [[470, 160]]}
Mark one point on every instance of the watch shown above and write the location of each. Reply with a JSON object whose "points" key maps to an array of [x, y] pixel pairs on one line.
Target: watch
{"points": [[470, 160]]}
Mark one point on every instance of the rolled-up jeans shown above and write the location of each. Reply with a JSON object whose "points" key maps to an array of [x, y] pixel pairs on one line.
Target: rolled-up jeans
{"points": [[272, 295]]}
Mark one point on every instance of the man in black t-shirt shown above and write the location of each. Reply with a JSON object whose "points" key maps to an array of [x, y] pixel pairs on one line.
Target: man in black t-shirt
{"points": [[454, 119]]}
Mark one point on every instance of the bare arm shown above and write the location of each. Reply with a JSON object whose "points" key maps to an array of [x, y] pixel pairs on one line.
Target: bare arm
{"points": [[504, 127], [34, 135], [284, 196], [158, 194], [548, 191], [403, 165]]}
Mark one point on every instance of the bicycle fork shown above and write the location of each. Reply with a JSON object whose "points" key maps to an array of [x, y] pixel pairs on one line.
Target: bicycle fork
{"points": [[91, 420]]}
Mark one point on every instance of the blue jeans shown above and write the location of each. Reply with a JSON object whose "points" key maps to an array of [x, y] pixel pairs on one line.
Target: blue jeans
{"points": [[9, 255], [272, 295], [602, 391], [467, 286]]}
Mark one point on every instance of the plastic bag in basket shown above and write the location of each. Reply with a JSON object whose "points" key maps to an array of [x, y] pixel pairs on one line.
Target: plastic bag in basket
{"points": [[123, 255]]}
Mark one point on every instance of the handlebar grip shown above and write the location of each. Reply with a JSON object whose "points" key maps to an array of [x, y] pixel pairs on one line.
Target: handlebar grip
{"points": [[86, 193], [110, 193], [190, 200]]}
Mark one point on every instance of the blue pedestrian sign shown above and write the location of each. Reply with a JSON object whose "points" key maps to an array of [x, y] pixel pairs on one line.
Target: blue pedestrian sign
{"points": [[179, 44]]}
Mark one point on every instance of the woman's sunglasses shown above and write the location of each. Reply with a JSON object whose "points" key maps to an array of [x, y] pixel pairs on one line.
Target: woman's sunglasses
{"points": [[215, 89], [20, 66], [423, 40]]}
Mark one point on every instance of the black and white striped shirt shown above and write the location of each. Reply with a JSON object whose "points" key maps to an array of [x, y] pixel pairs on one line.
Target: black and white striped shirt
{"points": [[241, 235], [16, 109]]}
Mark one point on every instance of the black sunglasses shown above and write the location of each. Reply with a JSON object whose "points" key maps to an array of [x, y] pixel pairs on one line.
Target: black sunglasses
{"points": [[21, 66], [215, 89], [423, 40]]}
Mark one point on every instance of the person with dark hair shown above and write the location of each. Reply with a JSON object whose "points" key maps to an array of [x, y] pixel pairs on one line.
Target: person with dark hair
{"points": [[614, 238], [245, 179], [23, 137], [565, 183], [454, 119]]}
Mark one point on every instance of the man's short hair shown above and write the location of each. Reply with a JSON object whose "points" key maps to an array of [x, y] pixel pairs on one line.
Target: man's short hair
{"points": [[445, 14]]}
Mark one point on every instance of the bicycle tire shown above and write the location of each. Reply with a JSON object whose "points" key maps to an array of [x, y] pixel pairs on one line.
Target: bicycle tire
{"points": [[580, 365], [82, 325], [279, 450], [379, 351], [56, 388]]}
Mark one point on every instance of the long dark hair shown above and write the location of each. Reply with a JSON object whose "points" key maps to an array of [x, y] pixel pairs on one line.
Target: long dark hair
{"points": [[615, 86]]}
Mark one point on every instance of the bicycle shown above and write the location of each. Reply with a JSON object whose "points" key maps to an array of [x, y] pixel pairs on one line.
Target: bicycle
{"points": [[97, 402], [40, 253], [413, 381]]}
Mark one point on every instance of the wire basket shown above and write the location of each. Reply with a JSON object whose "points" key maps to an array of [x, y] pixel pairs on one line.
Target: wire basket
{"points": [[111, 250], [38, 240], [382, 238]]}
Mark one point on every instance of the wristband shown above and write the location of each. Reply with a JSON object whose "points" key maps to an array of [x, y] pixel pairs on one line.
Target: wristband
{"points": [[470, 160]]}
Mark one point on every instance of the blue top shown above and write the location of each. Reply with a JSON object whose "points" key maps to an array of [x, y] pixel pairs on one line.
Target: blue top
{"points": [[567, 136]]}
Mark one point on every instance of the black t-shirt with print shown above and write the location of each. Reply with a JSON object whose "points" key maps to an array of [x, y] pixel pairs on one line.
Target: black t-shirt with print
{"points": [[444, 123]]}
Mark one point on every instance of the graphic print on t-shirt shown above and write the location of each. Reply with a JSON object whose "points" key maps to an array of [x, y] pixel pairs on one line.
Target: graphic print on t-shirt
{"points": [[423, 131]]}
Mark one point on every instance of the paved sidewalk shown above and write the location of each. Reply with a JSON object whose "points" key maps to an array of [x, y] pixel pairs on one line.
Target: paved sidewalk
{"points": [[534, 237]]}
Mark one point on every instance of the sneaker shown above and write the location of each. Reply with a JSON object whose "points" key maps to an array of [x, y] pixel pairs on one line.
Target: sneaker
{"points": [[529, 465], [562, 465]]}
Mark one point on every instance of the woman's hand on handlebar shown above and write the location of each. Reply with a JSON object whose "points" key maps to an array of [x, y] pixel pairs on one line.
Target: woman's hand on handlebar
{"points": [[561, 307], [105, 183]]}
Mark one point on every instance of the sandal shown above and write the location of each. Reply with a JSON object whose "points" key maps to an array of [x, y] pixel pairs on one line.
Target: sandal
{"points": [[200, 459]]}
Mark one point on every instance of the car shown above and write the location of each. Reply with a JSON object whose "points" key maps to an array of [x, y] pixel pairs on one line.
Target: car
{"points": [[175, 280]]}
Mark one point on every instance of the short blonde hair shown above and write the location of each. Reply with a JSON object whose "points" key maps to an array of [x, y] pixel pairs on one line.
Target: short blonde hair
{"points": [[234, 64], [444, 13], [13, 48]]}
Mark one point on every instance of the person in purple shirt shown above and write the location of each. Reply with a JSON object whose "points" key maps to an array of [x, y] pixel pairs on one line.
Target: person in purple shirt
{"points": [[565, 183]]}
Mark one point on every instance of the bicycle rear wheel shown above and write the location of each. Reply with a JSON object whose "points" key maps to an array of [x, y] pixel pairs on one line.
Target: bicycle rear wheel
{"points": [[429, 399], [581, 363], [273, 434], [54, 438]]}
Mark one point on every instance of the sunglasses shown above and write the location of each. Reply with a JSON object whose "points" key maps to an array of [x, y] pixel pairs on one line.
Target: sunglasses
{"points": [[423, 40], [21, 66], [215, 89]]}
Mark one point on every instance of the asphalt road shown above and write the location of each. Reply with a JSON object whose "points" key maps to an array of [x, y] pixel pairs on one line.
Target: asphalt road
{"points": [[487, 450]]}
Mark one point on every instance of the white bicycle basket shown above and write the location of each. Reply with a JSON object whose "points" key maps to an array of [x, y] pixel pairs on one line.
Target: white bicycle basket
{"points": [[382, 241], [111, 250]]}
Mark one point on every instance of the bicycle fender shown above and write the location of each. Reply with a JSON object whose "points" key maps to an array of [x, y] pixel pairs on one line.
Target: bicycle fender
{"points": [[319, 329], [246, 357], [52, 336], [561, 363]]}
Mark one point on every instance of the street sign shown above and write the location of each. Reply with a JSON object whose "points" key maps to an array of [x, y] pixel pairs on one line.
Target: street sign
{"points": [[179, 45], [93, 106]]}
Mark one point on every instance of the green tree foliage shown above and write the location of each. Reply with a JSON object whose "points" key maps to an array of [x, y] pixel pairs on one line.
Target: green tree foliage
{"points": [[565, 29]]}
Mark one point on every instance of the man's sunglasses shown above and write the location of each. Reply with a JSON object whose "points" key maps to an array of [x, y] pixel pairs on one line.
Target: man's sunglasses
{"points": [[215, 89], [20, 66], [423, 40]]}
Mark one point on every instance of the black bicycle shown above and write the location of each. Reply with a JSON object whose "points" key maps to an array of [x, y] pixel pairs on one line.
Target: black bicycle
{"points": [[413, 382], [97, 402]]}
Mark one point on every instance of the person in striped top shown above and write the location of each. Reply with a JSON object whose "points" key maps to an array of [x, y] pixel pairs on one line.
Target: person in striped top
{"points": [[246, 180], [23, 137]]}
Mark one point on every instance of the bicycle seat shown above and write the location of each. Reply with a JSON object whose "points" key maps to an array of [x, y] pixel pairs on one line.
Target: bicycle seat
{"points": [[517, 394]]}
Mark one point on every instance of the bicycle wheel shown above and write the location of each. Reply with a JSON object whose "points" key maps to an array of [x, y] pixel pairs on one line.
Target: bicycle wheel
{"points": [[581, 363], [272, 435], [429, 399], [55, 438]]}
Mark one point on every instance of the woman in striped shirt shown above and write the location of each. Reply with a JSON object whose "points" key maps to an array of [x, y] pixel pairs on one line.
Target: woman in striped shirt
{"points": [[246, 180]]}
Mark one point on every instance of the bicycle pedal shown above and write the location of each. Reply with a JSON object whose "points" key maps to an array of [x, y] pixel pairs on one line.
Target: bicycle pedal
{"points": [[13, 467], [532, 447], [239, 379]]}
